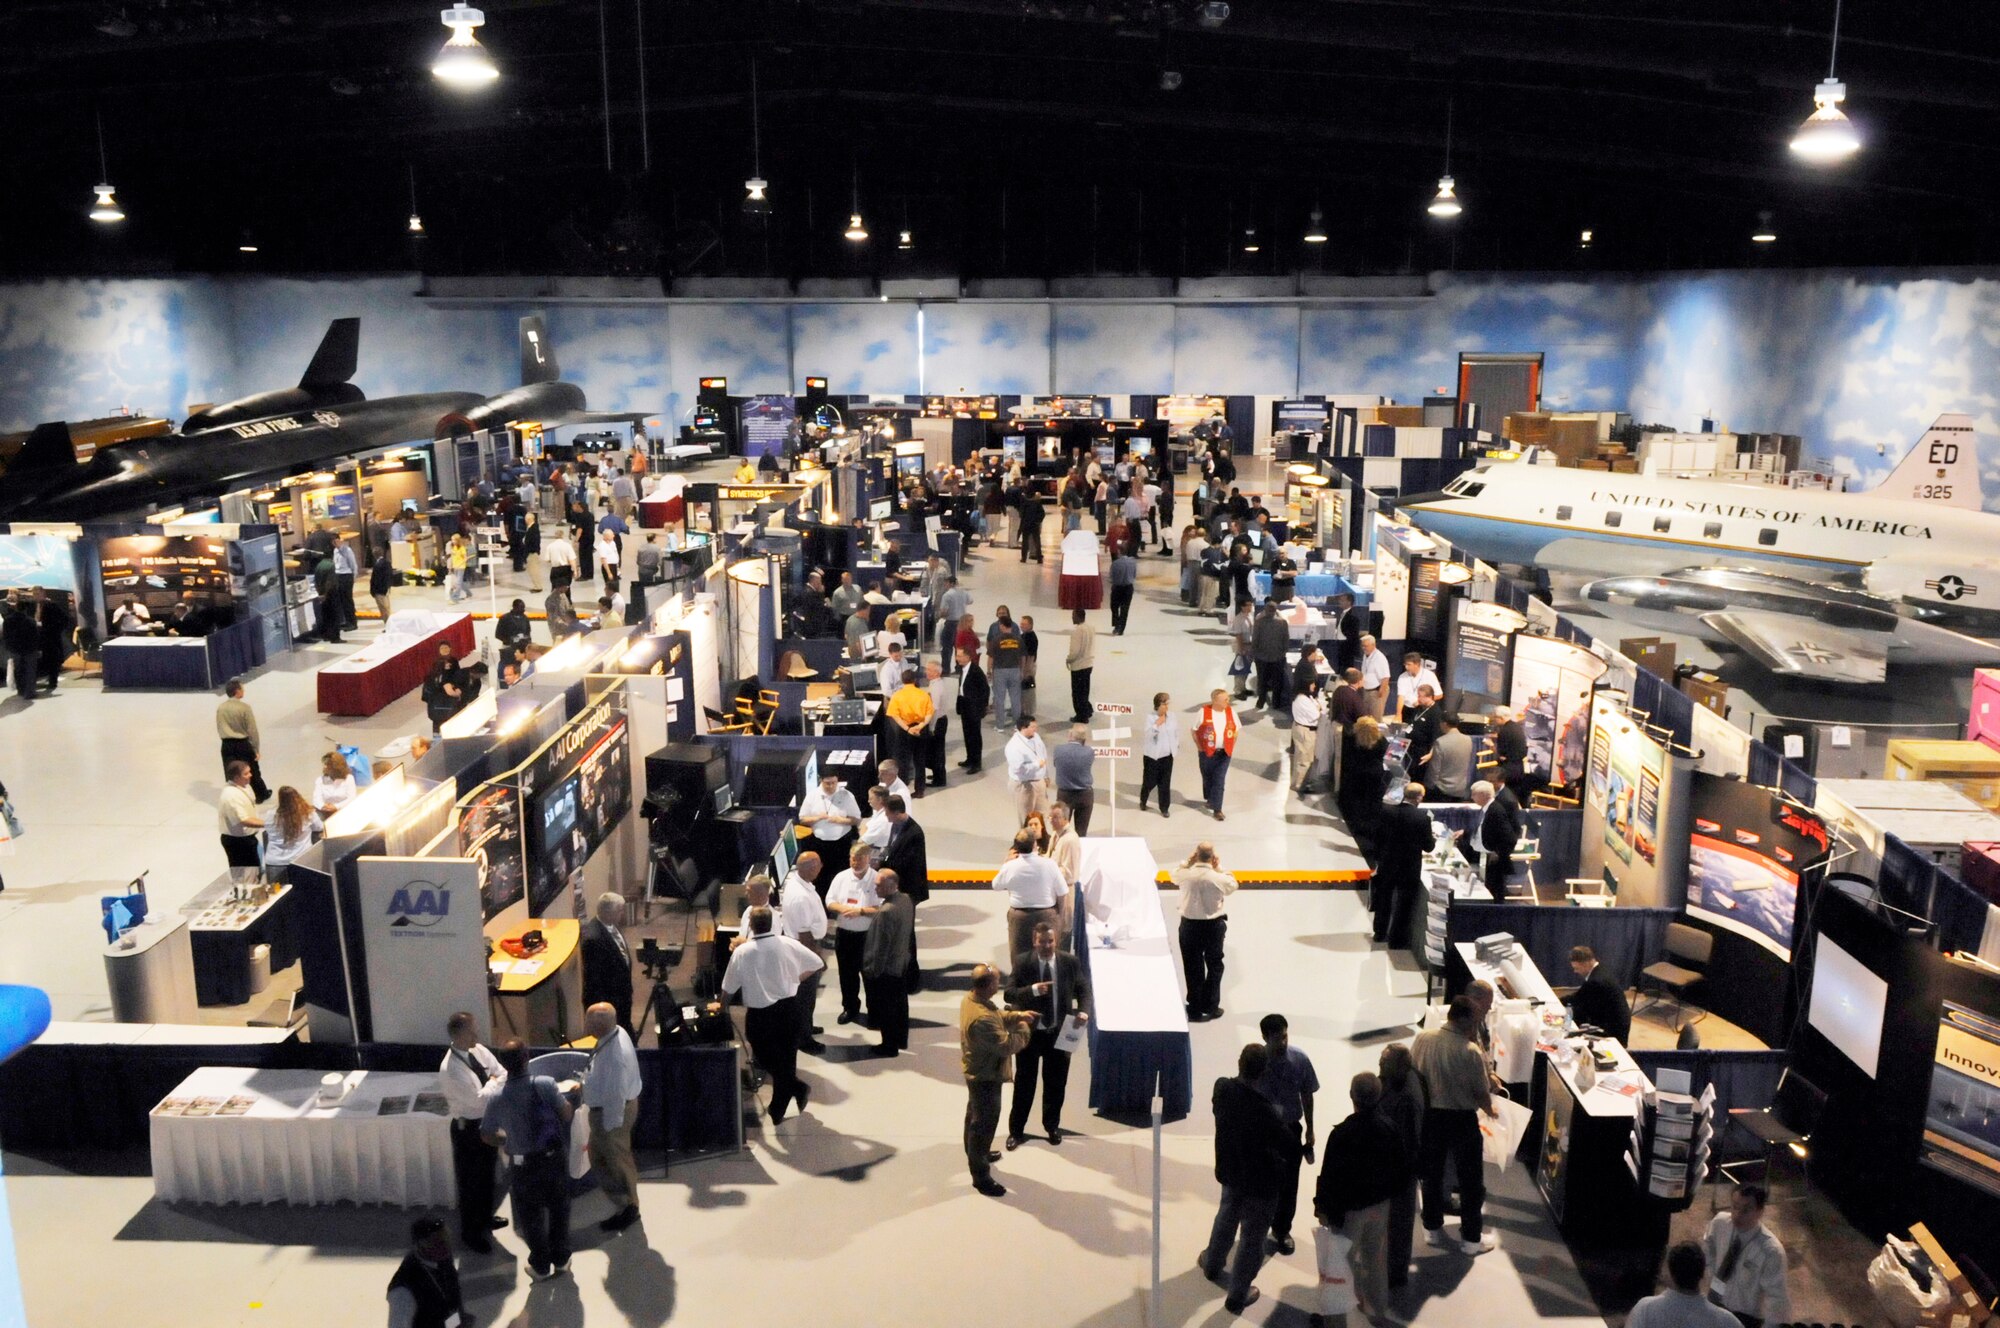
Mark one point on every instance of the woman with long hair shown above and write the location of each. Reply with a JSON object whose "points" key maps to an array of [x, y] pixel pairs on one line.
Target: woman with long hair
{"points": [[1038, 826], [1402, 1106], [334, 788], [1364, 778], [291, 832]]}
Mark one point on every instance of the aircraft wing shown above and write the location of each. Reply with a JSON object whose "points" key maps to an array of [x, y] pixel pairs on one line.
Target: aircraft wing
{"points": [[563, 419], [1792, 645]]}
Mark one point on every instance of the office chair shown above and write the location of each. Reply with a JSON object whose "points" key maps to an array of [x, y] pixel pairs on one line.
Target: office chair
{"points": [[1691, 947], [1788, 1124]]}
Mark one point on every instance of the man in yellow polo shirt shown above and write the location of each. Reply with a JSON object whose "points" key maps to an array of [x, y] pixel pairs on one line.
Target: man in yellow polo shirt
{"points": [[909, 708]]}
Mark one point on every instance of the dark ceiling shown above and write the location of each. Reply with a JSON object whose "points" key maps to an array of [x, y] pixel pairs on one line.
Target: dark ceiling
{"points": [[1019, 139]]}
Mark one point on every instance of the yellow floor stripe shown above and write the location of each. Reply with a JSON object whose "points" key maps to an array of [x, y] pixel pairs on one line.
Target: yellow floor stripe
{"points": [[959, 877]]}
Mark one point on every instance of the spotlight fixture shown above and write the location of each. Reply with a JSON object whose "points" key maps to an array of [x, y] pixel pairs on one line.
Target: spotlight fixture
{"points": [[1828, 136], [1765, 232], [906, 240], [416, 226], [1250, 245], [855, 230], [1170, 80], [247, 245], [1316, 229], [1212, 13], [1446, 204], [463, 62], [756, 202], [1583, 241], [104, 208], [117, 23]]}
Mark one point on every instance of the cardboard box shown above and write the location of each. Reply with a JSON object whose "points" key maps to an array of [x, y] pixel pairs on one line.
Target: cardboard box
{"points": [[1972, 768]]}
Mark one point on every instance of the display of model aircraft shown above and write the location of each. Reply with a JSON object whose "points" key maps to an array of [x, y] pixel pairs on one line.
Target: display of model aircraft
{"points": [[1811, 584], [262, 438]]}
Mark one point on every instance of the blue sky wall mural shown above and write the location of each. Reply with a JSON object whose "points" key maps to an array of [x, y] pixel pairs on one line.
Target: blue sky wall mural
{"points": [[1856, 362]]}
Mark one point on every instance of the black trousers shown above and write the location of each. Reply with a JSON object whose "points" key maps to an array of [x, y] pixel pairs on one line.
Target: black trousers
{"points": [[907, 750], [982, 1118], [1158, 774], [1288, 1185], [932, 749], [1080, 801], [1382, 893], [1031, 541], [773, 1034], [975, 738], [1079, 695], [1270, 682], [240, 850], [1201, 958], [1453, 1134], [239, 749], [847, 948], [889, 1009], [540, 1191], [1121, 608], [1499, 867], [1041, 1063], [26, 669], [472, 1164]]}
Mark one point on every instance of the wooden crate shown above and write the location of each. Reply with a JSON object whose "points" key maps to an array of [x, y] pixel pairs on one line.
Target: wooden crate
{"points": [[1972, 768]]}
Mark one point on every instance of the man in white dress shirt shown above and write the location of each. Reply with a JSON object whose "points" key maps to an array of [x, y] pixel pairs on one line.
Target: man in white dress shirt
{"points": [[1034, 887], [852, 899], [890, 776], [611, 1092], [470, 1075], [1027, 771], [766, 972], [1307, 711], [1374, 666], [1415, 675], [802, 916], [830, 813]]}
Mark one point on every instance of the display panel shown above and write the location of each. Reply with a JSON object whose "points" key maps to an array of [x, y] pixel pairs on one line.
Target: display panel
{"points": [[1182, 413], [570, 819], [489, 832], [47, 561], [1551, 696], [1013, 447], [1847, 1005], [765, 423], [1962, 1118], [1744, 860]]}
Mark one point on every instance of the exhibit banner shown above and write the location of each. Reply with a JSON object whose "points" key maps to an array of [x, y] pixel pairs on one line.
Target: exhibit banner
{"points": [[766, 424], [1596, 785], [159, 569], [1745, 857], [574, 792], [1479, 654], [489, 833], [426, 954], [1426, 626], [1550, 694], [1182, 413], [962, 408], [48, 561], [1962, 1117]]}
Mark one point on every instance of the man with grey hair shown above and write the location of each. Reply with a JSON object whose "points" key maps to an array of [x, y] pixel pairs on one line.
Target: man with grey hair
{"points": [[1374, 666], [607, 960], [611, 1091], [1074, 765]]}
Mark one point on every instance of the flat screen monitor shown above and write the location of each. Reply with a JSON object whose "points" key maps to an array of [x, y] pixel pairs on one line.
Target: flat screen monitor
{"points": [[1049, 449], [1140, 447], [910, 465], [1014, 447], [1962, 1117], [725, 798], [1106, 453], [1847, 1005], [881, 509]]}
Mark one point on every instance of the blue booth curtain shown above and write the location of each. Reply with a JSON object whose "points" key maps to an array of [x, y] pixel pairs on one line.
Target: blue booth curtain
{"points": [[1625, 939]]}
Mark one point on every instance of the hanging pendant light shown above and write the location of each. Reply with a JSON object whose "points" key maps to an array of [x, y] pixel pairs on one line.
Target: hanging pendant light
{"points": [[756, 202], [104, 207], [1250, 245], [416, 226], [247, 245], [463, 62], [1828, 135], [856, 232], [1316, 229], [1446, 204], [1765, 233]]}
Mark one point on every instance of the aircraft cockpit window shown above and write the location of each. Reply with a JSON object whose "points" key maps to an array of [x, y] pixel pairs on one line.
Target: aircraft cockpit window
{"points": [[1767, 536], [1614, 518], [1713, 530], [1662, 524], [1467, 489]]}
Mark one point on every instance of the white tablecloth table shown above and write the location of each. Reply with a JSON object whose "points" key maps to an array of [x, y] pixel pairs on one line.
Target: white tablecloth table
{"points": [[287, 1149], [1138, 1024]]}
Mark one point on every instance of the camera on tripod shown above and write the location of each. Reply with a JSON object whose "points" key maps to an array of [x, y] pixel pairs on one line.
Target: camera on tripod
{"points": [[659, 964]]}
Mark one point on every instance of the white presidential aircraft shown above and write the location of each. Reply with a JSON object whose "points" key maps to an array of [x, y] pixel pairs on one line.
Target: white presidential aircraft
{"points": [[1812, 584]]}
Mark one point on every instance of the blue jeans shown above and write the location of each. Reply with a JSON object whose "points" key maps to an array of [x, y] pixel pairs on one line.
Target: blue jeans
{"points": [[1006, 697], [1251, 1215], [1214, 773]]}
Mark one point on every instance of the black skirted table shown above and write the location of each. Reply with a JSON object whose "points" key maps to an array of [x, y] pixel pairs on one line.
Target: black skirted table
{"points": [[223, 934]]}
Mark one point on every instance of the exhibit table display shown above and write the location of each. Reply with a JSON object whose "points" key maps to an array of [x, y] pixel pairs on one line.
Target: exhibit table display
{"points": [[1138, 1023], [184, 663], [1317, 586], [533, 995], [393, 664], [1082, 585], [237, 1135], [223, 931]]}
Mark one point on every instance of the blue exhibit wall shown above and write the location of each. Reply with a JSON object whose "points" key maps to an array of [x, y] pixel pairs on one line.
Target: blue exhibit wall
{"points": [[1853, 361]]}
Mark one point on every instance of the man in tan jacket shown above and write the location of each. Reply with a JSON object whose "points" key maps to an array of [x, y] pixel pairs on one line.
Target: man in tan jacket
{"points": [[988, 1037]]}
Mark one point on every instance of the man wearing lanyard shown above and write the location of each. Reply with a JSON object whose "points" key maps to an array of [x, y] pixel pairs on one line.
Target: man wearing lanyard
{"points": [[1027, 769], [471, 1077], [424, 1293], [611, 1093], [533, 1116], [801, 915], [1374, 667], [1051, 984], [1749, 1263]]}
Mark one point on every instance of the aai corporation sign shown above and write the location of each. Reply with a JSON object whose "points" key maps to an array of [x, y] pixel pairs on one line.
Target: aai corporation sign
{"points": [[420, 904], [560, 755], [424, 952]]}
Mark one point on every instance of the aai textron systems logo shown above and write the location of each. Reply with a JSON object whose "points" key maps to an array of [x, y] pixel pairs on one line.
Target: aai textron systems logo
{"points": [[420, 904]]}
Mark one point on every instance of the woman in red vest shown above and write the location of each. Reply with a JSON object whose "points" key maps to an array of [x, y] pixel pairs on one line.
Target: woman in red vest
{"points": [[1215, 741]]}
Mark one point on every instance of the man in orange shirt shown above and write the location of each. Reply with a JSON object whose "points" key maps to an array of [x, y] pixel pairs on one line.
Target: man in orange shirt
{"points": [[909, 708], [1215, 743]]}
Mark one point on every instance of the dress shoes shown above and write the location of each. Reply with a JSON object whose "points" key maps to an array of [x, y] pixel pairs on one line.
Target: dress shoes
{"points": [[803, 1096], [815, 1046], [497, 1223], [1055, 1134], [992, 1189], [1286, 1245], [1200, 1261], [477, 1244], [1238, 1306], [1015, 1141], [993, 1157], [884, 1052], [846, 1018]]}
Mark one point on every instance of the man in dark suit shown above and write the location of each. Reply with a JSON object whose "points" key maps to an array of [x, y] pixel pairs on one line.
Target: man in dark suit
{"points": [[1347, 629], [607, 961], [974, 695], [1052, 984], [1510, 750], [1402, 837], [1501, 825], [908, 857], [1597, 999], [1252, 1146]]}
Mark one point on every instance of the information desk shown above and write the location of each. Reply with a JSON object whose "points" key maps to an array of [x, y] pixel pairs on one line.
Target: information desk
{"points": [[184, 663], [1309, 586], [538, 999], [1082, 584], [1138, 1024], [235, 1135], [1578, 1137], [391, 666], [223, 934]]}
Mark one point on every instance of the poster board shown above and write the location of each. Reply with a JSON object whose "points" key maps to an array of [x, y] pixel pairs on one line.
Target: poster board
{"points": [[426, 954], [48, 561], [1724, 748], [765, 424], [1550, 691], [490, 835], [574, 792], [159, 569], [1745, 856], [1962, 1114], [1479, 652]]}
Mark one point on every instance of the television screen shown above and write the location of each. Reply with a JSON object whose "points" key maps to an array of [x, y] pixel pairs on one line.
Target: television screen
{"points": [[1140, 447], [910, 465], [881, 509], [1847, 1004], [1962, 1119], [1013, 447]]}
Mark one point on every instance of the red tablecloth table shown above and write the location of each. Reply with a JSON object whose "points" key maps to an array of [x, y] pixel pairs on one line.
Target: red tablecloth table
{"points": [[348, 688], [1080, 592]]}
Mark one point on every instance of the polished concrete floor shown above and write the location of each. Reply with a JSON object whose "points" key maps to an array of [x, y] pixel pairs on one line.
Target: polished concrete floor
{"points": [[859, 1211]]}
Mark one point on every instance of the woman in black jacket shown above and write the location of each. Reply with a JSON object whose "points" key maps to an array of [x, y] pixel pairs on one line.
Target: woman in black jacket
{"points": [[1402, 1106], [1364, 778], [445, 689]]}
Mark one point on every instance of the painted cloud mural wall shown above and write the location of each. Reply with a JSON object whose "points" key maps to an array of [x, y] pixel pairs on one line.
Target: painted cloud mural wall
{"points": [[1856, 362]]}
